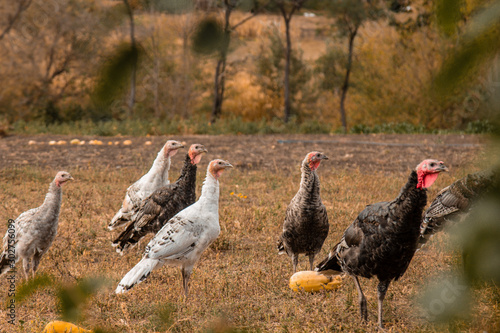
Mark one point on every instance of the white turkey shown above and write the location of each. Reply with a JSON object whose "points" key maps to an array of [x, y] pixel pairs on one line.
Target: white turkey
{"points": [[382, 240], [156, 177], [34, 230], [163, 203], [183, 238], [306, 222]]}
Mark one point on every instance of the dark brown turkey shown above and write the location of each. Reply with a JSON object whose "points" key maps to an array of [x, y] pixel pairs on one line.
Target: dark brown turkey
{"points": [[163, 203], [382, 240], [306, 222], [454, 202]]}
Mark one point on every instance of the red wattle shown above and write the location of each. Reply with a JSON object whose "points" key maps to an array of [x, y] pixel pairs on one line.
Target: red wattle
{"points": [[429, 179], [314, 165], [196, 159]]}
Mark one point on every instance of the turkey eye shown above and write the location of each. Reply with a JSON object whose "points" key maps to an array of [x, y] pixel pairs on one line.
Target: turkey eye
{"points": [[433, 165]]}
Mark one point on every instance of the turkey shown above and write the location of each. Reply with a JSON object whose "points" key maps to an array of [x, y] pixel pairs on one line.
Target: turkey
{"points": [[382, 240], [34, 230], [156, 177], [164, 203], [306, 222], [184, 237], [454, 202]]}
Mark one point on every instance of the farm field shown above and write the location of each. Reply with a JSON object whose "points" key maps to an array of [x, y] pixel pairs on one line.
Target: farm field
{"points": [[240, 282]]}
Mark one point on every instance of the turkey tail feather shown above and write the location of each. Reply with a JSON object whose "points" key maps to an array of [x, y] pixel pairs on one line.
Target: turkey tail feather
{"points": [[4, 264], [137, 274], [281, 247], [125, 239], [329, 263], [118, 220]]}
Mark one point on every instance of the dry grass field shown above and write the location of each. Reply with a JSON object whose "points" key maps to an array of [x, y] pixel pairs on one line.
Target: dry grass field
{"points": [[240, 283]]}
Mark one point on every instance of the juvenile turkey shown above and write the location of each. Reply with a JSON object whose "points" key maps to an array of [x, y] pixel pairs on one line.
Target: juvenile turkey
{"points": [[382, 240], [454, 202], [184, 237], [306, 222], [163, 203], [156, 177], [34, 230]]}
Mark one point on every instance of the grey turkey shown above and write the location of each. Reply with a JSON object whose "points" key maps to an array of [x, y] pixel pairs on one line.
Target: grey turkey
{"points": [[34, 230], [382, 240], [163, 203], [306, 222], [454, 202], [156, 177]]}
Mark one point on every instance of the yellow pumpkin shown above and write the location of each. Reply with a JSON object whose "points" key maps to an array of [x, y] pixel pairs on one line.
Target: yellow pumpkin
{"points": [[63, 327], [311, 281]]}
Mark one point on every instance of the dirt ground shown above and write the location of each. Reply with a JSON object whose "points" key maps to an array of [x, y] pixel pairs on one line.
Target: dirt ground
{"points": [[281, 152]]}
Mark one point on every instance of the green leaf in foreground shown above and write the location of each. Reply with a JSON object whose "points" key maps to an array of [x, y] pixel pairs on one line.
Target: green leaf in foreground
{"points": [[27, 288], [115, 74], [448, 15], [208, 36], [71, 298]]}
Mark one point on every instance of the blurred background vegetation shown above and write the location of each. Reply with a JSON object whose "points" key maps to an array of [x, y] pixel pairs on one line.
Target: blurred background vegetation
{"points": [[147, 67]]}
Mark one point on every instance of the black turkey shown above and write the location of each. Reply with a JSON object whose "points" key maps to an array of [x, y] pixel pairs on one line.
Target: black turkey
{"points": [[382, 240]]}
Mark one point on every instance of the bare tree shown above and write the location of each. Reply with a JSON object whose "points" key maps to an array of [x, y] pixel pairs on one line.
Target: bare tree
{"points": [[47, 59], [287, 9], [22, 5], [350, 16], [220, 69]]}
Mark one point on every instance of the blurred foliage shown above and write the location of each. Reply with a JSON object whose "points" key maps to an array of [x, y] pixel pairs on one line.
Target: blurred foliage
{"points": [[477, 237], [73, 297], [114, 78], [29, 287], [208, 36]]}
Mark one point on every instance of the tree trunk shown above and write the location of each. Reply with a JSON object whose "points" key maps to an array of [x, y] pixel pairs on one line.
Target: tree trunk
{"points": [[220, 70], [287, 69], [218, 92], [345, 85]]}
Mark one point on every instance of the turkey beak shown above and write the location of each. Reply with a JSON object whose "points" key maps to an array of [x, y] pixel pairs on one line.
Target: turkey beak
{"points": [[442, 167], [71, 178], [227, 165], [324, 157], [203, 150]]}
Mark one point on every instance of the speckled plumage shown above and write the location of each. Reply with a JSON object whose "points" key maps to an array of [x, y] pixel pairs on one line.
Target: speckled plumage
{"points": [[454, 202], [155, 178], [160, 207], [183, 239], [306, 221], [382, 240], [35, 230]]}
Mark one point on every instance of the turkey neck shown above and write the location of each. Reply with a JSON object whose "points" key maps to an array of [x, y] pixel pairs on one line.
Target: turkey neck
{"points": [[161, 166], [210, 190], [53, 198], [187, 179], [309, 184], [410, 203]]}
